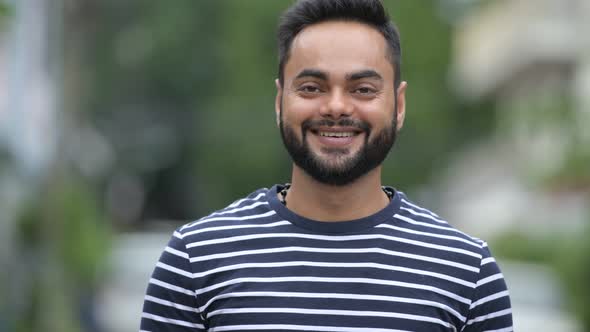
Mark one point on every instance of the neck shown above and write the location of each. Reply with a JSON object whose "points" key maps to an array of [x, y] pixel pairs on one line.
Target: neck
{"points": [[314, 200]]}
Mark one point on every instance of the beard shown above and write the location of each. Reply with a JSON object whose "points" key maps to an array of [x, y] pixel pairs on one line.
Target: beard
{"points": [[341, 167]]}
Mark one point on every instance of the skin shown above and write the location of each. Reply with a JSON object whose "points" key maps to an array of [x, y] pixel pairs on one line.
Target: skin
{"points": [[338, 69]]}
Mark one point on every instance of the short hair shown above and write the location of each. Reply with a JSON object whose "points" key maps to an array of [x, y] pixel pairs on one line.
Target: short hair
{"points": [[308, 12]]}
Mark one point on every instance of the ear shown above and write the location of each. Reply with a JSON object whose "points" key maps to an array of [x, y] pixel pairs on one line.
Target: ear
{"points": [[401, 104], [278, 99]]}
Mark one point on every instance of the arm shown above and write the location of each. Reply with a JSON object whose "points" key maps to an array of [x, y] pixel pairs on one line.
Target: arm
{"points": [[490, 308], [170, 303]]}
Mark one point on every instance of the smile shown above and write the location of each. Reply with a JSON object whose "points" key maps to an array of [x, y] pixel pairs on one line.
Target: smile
{"points": [[334, 137], [337, 134]]}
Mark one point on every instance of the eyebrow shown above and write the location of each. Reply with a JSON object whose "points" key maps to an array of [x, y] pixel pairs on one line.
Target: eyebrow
{"points": [[316, 73], [369, 73], [313, 73]]}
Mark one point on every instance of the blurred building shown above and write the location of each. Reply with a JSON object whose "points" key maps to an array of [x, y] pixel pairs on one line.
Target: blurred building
{"points": [[533, 58]]}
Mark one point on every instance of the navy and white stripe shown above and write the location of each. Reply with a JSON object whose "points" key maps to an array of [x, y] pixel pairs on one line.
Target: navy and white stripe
{"points": [[257, 266]]}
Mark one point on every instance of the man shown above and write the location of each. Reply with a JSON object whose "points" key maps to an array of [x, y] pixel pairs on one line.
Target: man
{"points": [[334, 250]]}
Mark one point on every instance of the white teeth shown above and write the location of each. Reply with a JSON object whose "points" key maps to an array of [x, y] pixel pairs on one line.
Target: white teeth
{"points": [[336, 134]]}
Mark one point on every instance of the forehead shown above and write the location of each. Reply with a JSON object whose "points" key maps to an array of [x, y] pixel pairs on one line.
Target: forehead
{"points": [[339, 47]]}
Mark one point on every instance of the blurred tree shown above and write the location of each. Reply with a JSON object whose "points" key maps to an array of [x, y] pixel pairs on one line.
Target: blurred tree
{"points": [[5, 313], [3, 11], [63, 239], [437, 122], [566, 255]]}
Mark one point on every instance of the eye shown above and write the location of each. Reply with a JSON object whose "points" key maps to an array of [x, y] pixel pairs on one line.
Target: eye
{"points": [[365, 91], [309, 89]]}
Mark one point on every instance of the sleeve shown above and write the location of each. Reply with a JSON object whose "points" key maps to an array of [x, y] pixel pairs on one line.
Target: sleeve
{"points": [[490, 308], [170, 301]]}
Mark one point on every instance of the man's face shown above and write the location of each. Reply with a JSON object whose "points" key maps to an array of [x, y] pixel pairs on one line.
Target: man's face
{"points": [[337, 109]]}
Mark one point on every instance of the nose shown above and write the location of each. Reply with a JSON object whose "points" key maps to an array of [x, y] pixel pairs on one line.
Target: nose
{"points": [[337, 105]]}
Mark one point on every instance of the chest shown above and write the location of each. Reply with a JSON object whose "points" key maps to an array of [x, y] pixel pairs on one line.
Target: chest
{"points": [[306, 284]]}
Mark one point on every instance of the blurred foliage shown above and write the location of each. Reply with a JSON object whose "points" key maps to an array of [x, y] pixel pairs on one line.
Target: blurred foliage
{"points": [[4, 10], [574, 174], [568, 256], [184, 94], [549, 113], [64, 239], [5, 14]]}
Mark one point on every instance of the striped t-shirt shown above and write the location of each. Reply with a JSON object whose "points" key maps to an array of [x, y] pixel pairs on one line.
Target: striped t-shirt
{"points": [[257, 266]]}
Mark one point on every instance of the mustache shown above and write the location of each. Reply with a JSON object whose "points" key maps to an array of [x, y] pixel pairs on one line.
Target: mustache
{"points": [[346, 122]]}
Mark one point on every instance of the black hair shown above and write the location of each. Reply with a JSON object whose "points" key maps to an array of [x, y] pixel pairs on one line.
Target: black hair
{"points": [[308, 12]]}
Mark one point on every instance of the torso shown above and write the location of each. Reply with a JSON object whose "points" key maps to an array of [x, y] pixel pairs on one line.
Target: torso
{"points": [[258, 266]]}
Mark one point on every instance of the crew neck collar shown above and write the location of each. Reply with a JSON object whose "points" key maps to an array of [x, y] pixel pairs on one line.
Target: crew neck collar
{"points": [[348, 226]]}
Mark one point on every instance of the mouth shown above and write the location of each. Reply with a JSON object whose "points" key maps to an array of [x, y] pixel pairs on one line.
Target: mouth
{"points": [[336, 137], [333, 131], [336, 133]]}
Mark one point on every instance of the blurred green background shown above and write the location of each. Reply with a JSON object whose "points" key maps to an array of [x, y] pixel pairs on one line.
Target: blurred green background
{"points": [[121, 120]]}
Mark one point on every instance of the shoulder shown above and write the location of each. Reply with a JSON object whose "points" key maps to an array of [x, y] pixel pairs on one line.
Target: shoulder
{"points": [[443, 241], [253, 206], [426, 225]]}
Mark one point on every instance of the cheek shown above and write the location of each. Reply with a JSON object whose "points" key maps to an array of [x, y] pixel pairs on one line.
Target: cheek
{"points": [[378, 115], [297, 111]]}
